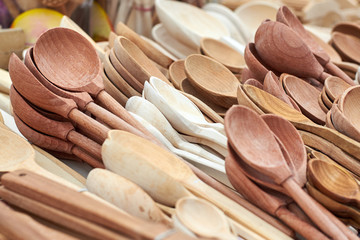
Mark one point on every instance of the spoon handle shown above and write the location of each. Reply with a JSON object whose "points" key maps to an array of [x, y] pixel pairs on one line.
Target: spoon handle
{"points": [[212, 135], [113, 106], [333, 69], [87, 158], [86, 143], [312, 210]]}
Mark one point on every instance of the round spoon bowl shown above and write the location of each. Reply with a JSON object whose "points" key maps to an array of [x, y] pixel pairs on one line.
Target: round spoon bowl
{"points": [[334, 87], [348, 104], [177, 73], [346, 44]]}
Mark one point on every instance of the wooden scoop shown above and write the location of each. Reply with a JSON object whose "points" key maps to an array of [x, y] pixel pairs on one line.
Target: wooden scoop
{"points": [[271, 104], [31, 89], [71, 75], [125, 195], [222, 53], [62, 130], [124, 160], [342, 124], [306, 96], [285, 16], [254, 129], [212, 79], [272, 43], [345, 44], [274, 206], [334, 87], [335, 182]]}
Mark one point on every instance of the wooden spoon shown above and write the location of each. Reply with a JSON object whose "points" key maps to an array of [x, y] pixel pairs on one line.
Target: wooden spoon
{"points": [[203, 218], [135, 61], [325, 99], [254, 82], [31, 89], [125, 195], [62, 130], [113, 90], [345, 44], [223, 53], [70, 43], [168, 101], [246, 120], [306, 96], [337, 208], [149, 112], [334, 87], [343, 125], [244, 100], [347, 104], [55, 144], [274, 206], [163, 166], [323, 106], [212, 79], [272, 43], [285, 16], [255, 64], [177, 73], [271, 104], [335, 182]]}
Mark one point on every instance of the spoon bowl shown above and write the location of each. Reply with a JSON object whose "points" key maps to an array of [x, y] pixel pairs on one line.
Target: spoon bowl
{"points": [[334, 87]]}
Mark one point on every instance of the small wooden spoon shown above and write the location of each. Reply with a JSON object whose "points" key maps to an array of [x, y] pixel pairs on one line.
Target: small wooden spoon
{"points": [[113, 90], [212, 79], [255, 64], [335, 182], [244, 100], [285, 16], [337, 208], [121, 144], [62, 130], [272, 42], [343, 125], [125, 195], [203, 218], [345, 44], [334, 87], [306, 96], [135, 61], [271, 104], [222, 53], [325, 99], [254, 82], [242, 119], [177, 73], [348, 103]]}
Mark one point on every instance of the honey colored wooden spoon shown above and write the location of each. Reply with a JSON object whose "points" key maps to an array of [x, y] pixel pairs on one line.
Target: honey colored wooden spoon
{"points": [[223, 53], [113, 90], [212, 79], [242, 119], [254, 82], [306, 96], [334, 87], [274, 206], [244, 100], [271, 104], [135, 61], [272, 43], [177, 73], [335, 182], [71, 75], [345, 44], [62, 130], [121, 144], [285, 16]]}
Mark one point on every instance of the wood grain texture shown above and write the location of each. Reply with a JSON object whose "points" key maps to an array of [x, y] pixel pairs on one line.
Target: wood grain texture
{"points": [[177, 73]]}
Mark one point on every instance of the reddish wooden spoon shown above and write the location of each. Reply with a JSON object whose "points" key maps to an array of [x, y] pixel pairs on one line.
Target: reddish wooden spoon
{"points": [[284, 15], [62, 130], [69, 61], [345, 44], [254, 142], [254, 62], [334, 87], [280, 47], [342, 124]]}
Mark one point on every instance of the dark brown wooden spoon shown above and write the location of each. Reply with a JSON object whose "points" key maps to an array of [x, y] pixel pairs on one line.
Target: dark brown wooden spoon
{"points": [[55, 144], [280, 47], [306, 96], [257, 146], [284, 15], [272, 205], [62, 130], [31, 89], [69, 61]]}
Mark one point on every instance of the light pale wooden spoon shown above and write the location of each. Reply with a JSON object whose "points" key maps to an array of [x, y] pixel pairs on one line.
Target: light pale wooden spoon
{"points": [[113, 90], [124, 194], [158, 94], [164, 166], [223, 53], [149, 112], [212, 79], [203, 218]]}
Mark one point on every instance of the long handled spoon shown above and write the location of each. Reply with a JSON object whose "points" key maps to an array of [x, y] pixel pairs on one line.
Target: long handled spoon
{"points": [[74, 74], [335, 182], [253, 128], [269, 203], [31, 89], [124, 160], [149, 112], [124, 194], [61, 130], [156, 94], [271, 104], [285, 16]]}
